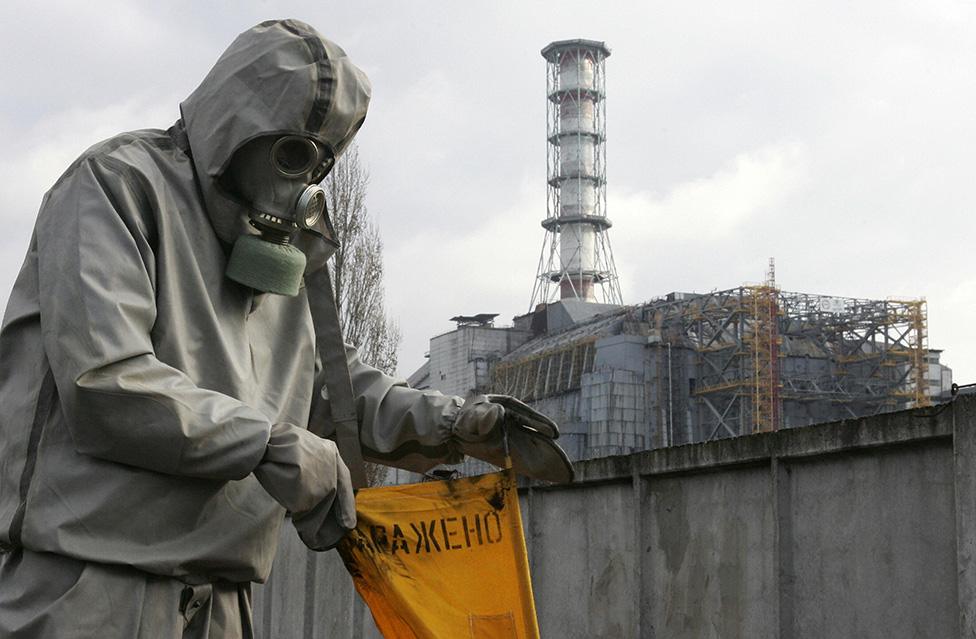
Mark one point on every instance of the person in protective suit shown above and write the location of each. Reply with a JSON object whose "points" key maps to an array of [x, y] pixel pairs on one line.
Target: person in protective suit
{"points": [[162, 389]]}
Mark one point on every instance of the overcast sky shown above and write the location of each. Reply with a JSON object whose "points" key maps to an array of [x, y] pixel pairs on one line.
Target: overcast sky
{"points": [[838, 137]]}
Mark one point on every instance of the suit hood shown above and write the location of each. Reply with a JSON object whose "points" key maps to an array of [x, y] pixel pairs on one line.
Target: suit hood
{"points": [[280, 77]]}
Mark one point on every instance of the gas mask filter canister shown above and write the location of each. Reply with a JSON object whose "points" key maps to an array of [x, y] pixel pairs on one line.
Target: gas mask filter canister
{"points": [[273, 176]]}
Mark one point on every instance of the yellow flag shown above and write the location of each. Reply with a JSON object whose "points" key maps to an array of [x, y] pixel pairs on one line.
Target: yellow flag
{"points": [[443, 559]]}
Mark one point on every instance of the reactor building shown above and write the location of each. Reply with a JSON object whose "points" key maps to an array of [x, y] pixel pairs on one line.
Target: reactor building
{"points": [[682, 368]]}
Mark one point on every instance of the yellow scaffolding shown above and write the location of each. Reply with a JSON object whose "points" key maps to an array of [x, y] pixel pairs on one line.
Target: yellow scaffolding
{"points": [[764, 357], [914, 313]]}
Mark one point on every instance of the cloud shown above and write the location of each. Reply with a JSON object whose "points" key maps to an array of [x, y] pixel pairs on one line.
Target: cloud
{"points": [[697, 235], [752, 185], [487, 268], [951, 309]]}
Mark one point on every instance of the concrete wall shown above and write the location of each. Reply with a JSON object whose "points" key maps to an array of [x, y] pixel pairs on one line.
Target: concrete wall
{"points": [[459, 359], [862, 528]]}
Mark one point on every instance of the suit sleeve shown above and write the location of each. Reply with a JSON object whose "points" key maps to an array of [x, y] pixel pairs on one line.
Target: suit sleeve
{"points": [[96, 273], [399, 426]]}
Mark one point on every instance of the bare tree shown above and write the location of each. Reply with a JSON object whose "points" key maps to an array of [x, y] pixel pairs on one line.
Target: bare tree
{"points": [[357, 272]]}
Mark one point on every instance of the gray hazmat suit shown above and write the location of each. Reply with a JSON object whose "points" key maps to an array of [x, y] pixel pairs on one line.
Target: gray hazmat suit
{"points": [[139, 385]]}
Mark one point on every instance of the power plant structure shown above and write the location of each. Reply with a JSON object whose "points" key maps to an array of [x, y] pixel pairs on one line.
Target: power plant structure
{"points": [[690, 367], [684, 367], [576, 261]]}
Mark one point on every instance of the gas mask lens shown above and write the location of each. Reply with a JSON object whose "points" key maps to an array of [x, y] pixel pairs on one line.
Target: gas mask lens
{"points": [[294, 156]]}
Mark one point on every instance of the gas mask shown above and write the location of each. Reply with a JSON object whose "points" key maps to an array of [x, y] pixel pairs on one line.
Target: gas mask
{"points": [[277, 177]]}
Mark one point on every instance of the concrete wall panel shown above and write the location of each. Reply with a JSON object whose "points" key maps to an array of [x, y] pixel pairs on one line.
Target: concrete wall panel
{"points": [[707, 563], [878, 529], [582, 552]]}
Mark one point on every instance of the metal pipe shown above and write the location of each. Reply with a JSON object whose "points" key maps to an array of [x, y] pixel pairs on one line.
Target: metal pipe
{"points": [[670, 404]]}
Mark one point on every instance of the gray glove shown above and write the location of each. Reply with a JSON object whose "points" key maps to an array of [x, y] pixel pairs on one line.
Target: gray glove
{"points": [[479, 420], [480, 431], [304, 473]]}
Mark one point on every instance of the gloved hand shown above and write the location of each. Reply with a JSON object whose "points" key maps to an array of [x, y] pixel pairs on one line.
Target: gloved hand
{"points": [[304, 473], [479, 420], [483, 422]]}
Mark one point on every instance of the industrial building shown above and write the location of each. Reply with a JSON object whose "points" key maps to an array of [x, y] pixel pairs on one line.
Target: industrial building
{"points": [[682, 368], [695, 367]]}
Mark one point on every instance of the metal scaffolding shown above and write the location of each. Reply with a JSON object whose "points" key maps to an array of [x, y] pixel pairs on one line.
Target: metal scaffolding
{"points": [[733, 362], [869, 355], [547, 373], [576, 260], [765, 341]]}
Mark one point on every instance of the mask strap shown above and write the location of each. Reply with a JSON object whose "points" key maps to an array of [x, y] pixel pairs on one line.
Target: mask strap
{"points": [[335, 368]]}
